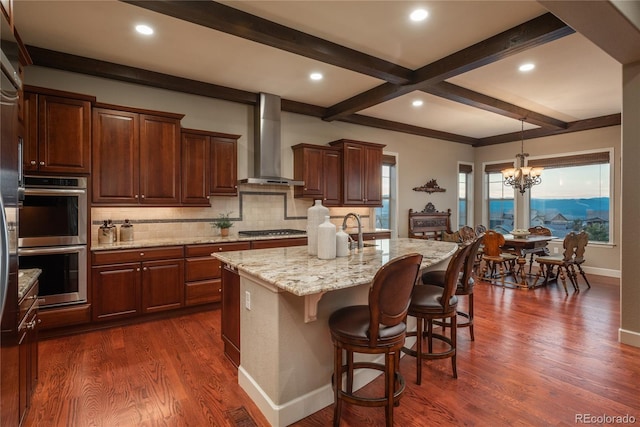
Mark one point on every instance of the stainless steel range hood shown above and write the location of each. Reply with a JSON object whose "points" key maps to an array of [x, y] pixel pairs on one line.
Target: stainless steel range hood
{"points": [[266, 144]]}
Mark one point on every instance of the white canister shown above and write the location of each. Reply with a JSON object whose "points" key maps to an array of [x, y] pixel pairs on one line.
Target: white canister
{"points": [[326, 239], [315, 217], [342, 243]]}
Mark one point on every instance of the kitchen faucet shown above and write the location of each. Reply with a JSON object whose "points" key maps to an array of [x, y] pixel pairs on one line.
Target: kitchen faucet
{"points": [[344, 226]]}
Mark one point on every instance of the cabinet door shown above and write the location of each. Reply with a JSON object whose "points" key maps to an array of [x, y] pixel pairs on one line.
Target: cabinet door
{"points": [[373, 176], [162, 285], [30, 135], [159, 160], [224, 174], [307, 167], [231, 314], [64, 135], [354, 174], [115, 157], [116, 291], [332, 174], [195, 169]]}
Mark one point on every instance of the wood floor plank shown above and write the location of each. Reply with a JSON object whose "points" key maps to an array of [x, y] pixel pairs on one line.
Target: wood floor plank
{"points": [[540, 358]]}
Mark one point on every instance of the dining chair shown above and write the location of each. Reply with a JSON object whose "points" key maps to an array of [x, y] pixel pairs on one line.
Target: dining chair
{"points": [[376, 328], [493, 256], [538, 230], [578, 259], [431, 302], [464, 286], [565, 263], [467, 233]]}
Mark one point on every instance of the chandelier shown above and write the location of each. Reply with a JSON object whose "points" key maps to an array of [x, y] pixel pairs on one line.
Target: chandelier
{"points": [[521, 177]]}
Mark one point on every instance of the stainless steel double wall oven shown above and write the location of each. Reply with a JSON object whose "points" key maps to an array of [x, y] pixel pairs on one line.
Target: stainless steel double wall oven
{"points": [[53, 237]]}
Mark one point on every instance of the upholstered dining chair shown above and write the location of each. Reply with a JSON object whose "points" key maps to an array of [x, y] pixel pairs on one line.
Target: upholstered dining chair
{"points": [[376, 328], [464, 286], [493, 257], [467, 233], [432, 302]]}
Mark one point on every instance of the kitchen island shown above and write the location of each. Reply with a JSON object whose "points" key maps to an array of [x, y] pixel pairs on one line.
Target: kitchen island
{"points": [[286, 298]]}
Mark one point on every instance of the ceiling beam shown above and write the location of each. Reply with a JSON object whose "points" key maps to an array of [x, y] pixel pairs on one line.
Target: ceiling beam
{"points": [[484, 102], [535, 32], [93, 67], [241, 24], [577, 126]]}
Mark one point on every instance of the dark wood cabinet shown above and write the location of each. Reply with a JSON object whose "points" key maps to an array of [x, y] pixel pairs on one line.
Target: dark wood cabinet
{"points": [[321, 170], [127, 283], [136, 158], [361, 172], [209, 166], [57, 132], [230, 322], [27, 349], [203, 283]]}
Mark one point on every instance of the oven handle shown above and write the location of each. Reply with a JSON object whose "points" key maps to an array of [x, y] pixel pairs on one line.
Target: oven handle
{"points": [[52, 191], [51, 250]]}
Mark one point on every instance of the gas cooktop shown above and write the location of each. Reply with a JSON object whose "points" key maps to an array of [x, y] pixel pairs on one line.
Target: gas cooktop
{"points": [[279, 232]]}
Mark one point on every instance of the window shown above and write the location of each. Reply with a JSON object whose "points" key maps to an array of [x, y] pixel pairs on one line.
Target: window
{"points": [[384, 214], [574, 195], [501, 204], [464, 192]]}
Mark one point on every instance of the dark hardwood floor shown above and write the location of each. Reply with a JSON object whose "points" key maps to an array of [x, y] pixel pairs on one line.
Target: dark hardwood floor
{"points": [[540, 358]]}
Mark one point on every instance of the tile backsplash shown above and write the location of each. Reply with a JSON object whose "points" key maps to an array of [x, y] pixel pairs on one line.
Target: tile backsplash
{"points": [[255, 208]]}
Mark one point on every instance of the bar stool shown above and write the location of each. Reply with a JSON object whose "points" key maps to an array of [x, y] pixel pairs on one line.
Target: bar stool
{"points": [[432, 302], [464, 286], [377, 328]]}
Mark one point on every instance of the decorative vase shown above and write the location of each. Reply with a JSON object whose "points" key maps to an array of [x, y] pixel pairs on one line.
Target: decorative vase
{"points": [[224, 232], [315, 217], [327, 239], [342, 244]]}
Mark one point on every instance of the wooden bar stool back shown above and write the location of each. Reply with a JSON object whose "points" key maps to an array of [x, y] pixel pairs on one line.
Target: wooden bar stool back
{"points": [[377, 328], [432, 302]]}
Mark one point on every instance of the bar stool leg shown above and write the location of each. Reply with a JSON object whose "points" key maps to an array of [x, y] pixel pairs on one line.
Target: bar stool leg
{"points": [[337, 385]]}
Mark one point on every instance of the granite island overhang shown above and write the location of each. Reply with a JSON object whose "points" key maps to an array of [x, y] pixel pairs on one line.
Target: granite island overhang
{"points": [[286, 357]]}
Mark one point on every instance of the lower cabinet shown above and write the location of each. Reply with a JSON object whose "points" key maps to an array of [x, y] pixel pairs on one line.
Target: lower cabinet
{"points": [[203, 273], [28, 350], [231, 314], [127, 283]]}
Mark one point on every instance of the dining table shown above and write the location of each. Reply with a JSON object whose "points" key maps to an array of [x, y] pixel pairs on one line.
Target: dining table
{"points": [[523, 246]]}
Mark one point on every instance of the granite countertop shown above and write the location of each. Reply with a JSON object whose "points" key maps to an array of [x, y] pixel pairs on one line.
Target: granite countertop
{"points": [[194, 240], [26, 279], [294, 270]]}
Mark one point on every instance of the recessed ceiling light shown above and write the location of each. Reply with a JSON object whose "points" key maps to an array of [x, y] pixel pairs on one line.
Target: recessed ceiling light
{"points": [[417, 103], [315, 76], [144, 29], [419, 15], [526, 67]]}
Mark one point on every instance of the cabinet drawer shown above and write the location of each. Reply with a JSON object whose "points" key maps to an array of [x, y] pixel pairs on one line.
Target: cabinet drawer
{"points": [[134, 255], [208, 249], [27, 302], [278, 243], [202, 269], [203, 292]]}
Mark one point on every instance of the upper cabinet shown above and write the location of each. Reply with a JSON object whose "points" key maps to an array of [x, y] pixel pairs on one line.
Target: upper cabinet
{"points": [[320, 168], [136, 157], [209, 166], [361, 172], [57, 132]]}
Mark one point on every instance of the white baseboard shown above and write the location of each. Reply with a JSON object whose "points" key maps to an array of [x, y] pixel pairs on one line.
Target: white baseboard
{"points": [[303, 406], [608, 272], [629, 337]]}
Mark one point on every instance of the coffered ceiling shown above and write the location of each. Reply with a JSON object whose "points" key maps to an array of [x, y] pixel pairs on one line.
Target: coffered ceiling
{"points": [[461, 62]]}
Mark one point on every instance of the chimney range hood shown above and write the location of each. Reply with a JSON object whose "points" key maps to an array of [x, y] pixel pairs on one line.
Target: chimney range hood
{"points": [[266, 144]]}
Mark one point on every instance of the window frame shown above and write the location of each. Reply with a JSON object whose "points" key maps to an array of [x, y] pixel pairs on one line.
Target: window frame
{"points": [[469, 192]]}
